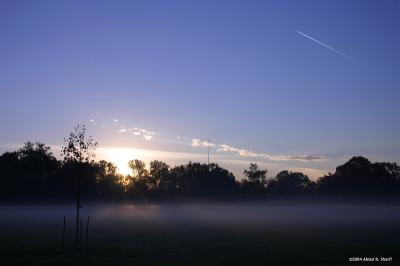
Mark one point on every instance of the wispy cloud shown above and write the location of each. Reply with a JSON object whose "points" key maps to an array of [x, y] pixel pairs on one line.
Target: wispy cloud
{"points": [[221, 148], [202, 143], [241, 152], [325, 45], [302, 158], [122, 130], [147, 137], [118, 127], [146, 134], [249, 153]]}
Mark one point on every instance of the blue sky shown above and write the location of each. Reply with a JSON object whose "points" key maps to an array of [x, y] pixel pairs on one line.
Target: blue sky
{"points": [[236, 73]]}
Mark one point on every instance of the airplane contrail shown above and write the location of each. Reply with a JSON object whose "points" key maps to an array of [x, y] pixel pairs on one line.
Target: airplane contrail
{"points": [[325, 45]]}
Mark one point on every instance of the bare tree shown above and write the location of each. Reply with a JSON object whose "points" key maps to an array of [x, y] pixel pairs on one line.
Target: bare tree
{"points": [[77, 150]]}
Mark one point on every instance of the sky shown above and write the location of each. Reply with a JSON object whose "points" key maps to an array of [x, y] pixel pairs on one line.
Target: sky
{"points": [[297, 85]]}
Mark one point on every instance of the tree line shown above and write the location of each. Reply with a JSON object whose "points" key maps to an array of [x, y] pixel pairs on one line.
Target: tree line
{"points": [[34, 173]]}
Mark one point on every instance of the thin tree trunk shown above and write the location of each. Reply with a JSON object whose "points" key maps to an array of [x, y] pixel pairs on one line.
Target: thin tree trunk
{"points": [[87, 233], [80, 235], [63, 236], [78, 206]]}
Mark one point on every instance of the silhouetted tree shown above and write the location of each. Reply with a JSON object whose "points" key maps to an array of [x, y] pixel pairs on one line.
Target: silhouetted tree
{"points": [[78, 152], [27, 172], [33, 172], [11, 173], [290, 184], [195, 179], [254, 184], [360, 177], [222, 182], [139, 182], [255, 175], [107, 168], [159, 178], [109, 182], [138, 167], [38, 164]]}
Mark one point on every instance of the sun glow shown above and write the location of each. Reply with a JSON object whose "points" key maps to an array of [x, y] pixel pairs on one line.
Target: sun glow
{"points": [[120, 157]]}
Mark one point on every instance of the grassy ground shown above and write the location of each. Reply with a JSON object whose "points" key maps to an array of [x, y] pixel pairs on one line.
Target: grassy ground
{"points": [[185, 244]]}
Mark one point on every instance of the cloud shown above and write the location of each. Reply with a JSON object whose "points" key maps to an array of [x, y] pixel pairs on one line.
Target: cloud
{"points": [[184, 139], [196, 142], [249, 153], [201, 143], [325, 45], [144, 131], [302, 158], [308, 158], [146, 134], [241, 152], [147, 137]]}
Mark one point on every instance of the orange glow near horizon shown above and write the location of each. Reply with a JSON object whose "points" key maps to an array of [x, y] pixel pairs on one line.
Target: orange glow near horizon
{"points": [[120, 157]]}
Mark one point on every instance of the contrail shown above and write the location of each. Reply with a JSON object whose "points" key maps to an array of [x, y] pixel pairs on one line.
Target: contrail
{"points": [[325, 45]]}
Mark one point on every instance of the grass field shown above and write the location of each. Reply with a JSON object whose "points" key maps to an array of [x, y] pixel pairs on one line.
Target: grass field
{"points": [[203, 235]]}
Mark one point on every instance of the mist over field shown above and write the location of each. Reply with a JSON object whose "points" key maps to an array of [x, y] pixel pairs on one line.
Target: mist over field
{"points": [[221, 214], [250, 233]]}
